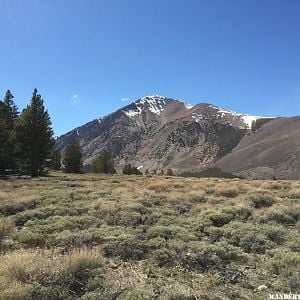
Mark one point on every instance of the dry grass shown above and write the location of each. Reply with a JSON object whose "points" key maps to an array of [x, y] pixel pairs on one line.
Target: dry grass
{"points": [[139, 237], [159, 186]]}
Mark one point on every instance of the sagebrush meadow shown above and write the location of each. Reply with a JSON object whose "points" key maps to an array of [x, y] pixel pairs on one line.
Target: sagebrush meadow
{"points": [[148, 237]]}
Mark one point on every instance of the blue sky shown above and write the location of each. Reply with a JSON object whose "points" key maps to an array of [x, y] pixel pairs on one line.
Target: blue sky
{"points": [[85, 56]]}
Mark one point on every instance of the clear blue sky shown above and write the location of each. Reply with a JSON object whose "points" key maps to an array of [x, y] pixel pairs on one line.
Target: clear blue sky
{"points": [[85, 56]]}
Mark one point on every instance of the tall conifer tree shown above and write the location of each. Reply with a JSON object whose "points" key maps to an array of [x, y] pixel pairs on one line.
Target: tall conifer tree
{"points": [[34, 136], [8, 117], [72, 158]]}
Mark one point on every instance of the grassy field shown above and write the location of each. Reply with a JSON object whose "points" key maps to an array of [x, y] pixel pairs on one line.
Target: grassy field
{"points": [[142, 237]]}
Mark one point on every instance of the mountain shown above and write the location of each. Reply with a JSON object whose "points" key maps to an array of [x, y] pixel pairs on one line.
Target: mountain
{"points": [[271, 151], [157, 132]]}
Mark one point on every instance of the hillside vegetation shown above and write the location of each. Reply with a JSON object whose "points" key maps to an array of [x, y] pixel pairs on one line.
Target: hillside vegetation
{"points": [[148, 237]]}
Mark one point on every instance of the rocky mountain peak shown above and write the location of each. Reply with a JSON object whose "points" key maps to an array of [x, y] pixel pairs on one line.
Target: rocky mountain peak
{"points": [[154, 103], [159, 132]]}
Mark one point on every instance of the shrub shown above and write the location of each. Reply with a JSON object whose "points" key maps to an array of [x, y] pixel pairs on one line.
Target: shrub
{"points": [[169, 232], [6, 227], [30, 239], [219, 218], [22, 217], [51, 277], [251, 238], [202, 257], [228, 192], [68, 240], [80, 266], [261, 201], [284, 261], [11, 208], [163, 257], [294, 241], [276, 234], [253, 242], [137, 294], [285, 216], [127, 248]]}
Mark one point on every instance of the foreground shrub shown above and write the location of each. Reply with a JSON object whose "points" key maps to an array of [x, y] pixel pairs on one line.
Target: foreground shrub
{"points": [[286, 266], [44, 277], [8, 208], [31, 239], [228, 192], [203, 257], [261, 201], [127, 248], [6, 227], [284, 216], [253, 242], [251, 238]]}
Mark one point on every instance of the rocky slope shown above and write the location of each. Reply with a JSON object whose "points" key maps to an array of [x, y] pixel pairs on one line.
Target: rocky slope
{"points": [[156, 133], [272, 151]]}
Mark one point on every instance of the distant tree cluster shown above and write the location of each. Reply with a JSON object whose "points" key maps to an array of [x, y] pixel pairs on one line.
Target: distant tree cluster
{"points": [[72, 158], [26, 138], [130, 170], [104, 163]]}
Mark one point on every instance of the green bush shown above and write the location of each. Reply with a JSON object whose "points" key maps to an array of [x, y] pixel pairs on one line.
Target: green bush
{"points": [[202, 256], [11, 208], [283, 262], [22, 217], [220, 218], [163, 257], [7, 226], [50, 292], [30, 239], [261, 201], [253, 242], [250, 238], [285, 216], [294, 241], [127, 248], [276, 234], [73, 239]]}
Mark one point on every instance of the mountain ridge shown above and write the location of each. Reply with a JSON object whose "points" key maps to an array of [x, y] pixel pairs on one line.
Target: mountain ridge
{"points": [[157, 132]]}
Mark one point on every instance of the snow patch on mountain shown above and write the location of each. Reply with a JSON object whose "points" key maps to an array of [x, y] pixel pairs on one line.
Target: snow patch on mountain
{"points": [[247, 119], [155, 104], [198, 118], [187, 105]]}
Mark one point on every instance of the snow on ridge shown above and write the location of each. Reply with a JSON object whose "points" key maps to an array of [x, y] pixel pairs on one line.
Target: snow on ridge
{"points": [[155, 103], [198, 118], [187, 105], [246, 118]]}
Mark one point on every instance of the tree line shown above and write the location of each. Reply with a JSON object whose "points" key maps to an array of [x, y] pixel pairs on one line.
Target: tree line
{"points": [[27, 144], [26, 138]]}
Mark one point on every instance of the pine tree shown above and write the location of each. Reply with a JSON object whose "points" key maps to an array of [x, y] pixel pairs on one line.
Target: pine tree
{"points": [[8, 116], [170, 172], [55, 163], [72, 158], [104, 163], [12, 114], [130, 170], [34, 136]]}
